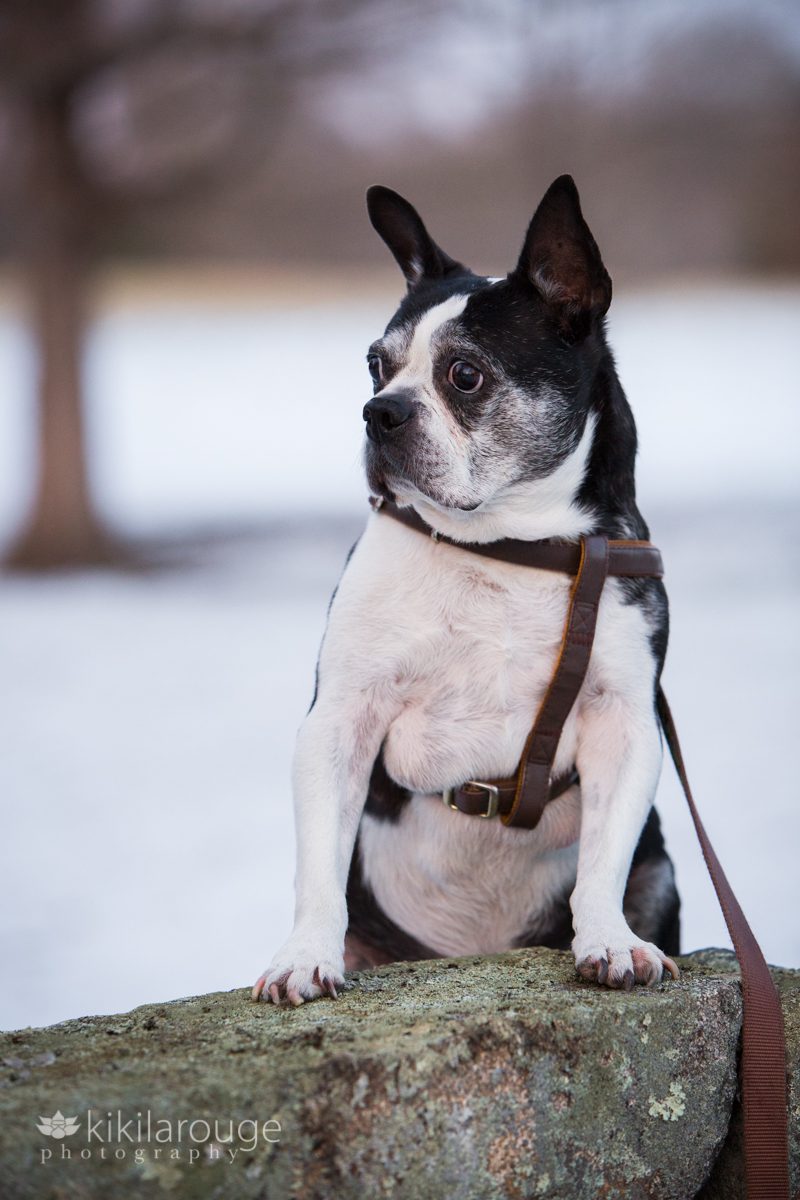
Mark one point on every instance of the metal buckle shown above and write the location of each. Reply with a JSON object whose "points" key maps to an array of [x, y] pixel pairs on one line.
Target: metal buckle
{"points": [[492, 803]]}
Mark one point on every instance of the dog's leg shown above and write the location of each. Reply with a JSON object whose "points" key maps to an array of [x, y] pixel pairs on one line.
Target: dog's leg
{"points": [[619, 760], [336, 747]]}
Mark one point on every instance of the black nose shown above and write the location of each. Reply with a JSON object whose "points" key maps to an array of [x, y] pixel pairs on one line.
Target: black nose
{"points": [[385, 414]]}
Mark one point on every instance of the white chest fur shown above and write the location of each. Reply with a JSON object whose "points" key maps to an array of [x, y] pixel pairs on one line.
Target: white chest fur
{"points": [[457, 652]]}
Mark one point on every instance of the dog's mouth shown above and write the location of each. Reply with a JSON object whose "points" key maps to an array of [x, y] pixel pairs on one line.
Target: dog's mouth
{"points": [[380, 475], [403, 480]]}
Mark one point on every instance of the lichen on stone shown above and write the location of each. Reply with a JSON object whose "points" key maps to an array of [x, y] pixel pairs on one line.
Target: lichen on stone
{"points": [[672, 1107]]}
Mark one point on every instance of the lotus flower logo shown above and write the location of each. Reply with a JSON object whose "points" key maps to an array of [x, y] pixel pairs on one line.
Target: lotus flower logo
{"points": [[58, 1126]]}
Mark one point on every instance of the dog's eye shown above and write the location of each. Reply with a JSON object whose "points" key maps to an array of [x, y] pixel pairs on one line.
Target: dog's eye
{"points": [[464, 377], [375, 368]]}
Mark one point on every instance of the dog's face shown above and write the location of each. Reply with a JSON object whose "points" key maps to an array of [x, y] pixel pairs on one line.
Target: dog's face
{"points": [[481, 384]]}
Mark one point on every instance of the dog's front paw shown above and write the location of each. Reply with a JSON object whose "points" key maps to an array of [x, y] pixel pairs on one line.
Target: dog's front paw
{"points": [[621, 960], [296, 976]]}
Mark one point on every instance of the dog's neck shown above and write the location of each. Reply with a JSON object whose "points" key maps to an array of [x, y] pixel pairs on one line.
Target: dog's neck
{"points": [[511, 518], [608, 488]]}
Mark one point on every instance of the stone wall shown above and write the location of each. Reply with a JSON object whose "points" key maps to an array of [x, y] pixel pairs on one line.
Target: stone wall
{"points": [[469, 1078]]}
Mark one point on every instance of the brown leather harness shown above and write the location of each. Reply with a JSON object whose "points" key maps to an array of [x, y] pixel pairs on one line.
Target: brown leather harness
{"points": [[520, 801]]}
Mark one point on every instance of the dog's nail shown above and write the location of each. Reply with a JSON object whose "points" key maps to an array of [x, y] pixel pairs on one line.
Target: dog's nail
{"points": [[628, 981], [672, 967], [330, 987], [294, 997], [602, 970], [274, 993], [258, 987]]}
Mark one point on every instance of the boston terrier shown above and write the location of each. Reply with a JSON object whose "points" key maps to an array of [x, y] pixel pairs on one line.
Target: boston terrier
{"points": [[497, 413]]}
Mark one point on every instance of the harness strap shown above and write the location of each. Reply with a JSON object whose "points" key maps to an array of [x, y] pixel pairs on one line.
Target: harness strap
{"points": [[763, 1067], [496, 797], [536, 765], [764, 1092], [626, 559]]}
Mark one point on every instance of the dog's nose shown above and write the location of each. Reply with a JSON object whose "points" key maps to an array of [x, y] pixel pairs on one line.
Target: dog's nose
{"points": [[385, 414]]}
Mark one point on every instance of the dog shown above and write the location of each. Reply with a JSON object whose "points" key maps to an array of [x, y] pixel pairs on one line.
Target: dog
{"points": [[496, 413]]}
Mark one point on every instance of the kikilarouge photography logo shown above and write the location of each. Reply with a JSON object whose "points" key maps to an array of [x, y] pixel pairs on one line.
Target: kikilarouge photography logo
{"points": [[58, 1126], [148, 1137]]}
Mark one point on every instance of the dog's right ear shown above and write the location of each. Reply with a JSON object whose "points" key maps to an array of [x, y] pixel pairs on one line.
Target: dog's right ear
{"points": [[401, 227], [561, 260]]}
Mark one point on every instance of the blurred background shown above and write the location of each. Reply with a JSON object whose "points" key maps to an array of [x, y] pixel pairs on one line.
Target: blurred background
{"points": [[188, 284]]}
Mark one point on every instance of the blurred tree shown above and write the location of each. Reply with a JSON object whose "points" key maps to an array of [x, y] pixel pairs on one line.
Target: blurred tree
{"points": [[55, 248], [117, 107]]}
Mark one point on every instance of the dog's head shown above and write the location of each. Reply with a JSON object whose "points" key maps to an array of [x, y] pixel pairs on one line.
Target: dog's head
{"points": [[482, 385]]}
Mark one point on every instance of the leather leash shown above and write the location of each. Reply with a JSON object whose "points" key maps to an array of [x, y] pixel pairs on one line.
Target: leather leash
{"points": [[765, 1098], [521, 800]]}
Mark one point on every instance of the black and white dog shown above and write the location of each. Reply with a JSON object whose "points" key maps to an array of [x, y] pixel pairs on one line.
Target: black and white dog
{"points": [[497, 413]]}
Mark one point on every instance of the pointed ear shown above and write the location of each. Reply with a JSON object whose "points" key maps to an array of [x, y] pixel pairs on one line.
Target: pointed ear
{"points": [[401, 227], [560, 258]]}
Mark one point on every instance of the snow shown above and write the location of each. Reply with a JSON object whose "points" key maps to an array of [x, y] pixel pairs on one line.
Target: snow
{"points": [[147, 719]]}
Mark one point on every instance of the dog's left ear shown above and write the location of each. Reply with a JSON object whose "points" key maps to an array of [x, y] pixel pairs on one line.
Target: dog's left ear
{"points": [[561, 259], [401, 227]]}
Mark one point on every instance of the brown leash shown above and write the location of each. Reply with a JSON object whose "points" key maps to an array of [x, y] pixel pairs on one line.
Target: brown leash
{"points": [[764, 1093], [521, 800]]}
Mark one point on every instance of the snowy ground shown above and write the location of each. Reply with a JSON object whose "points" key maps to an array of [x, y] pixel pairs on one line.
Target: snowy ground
{"points": [[147, 720]]}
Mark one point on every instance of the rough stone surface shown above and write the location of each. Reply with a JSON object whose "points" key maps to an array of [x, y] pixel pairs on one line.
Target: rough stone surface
{"points": [[489, 1077]]}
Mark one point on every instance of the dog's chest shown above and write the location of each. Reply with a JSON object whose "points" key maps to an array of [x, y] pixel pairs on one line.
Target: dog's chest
{"points": [[486, 641], [482, 647], [467, 648]]}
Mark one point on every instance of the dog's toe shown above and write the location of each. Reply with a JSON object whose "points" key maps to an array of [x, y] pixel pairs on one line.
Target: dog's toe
{"points": [[326, 983], [646, 966], [593, 968]]}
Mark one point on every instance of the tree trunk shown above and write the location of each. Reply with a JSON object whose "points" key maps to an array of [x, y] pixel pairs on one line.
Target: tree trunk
{"points": [[63, 528]]}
